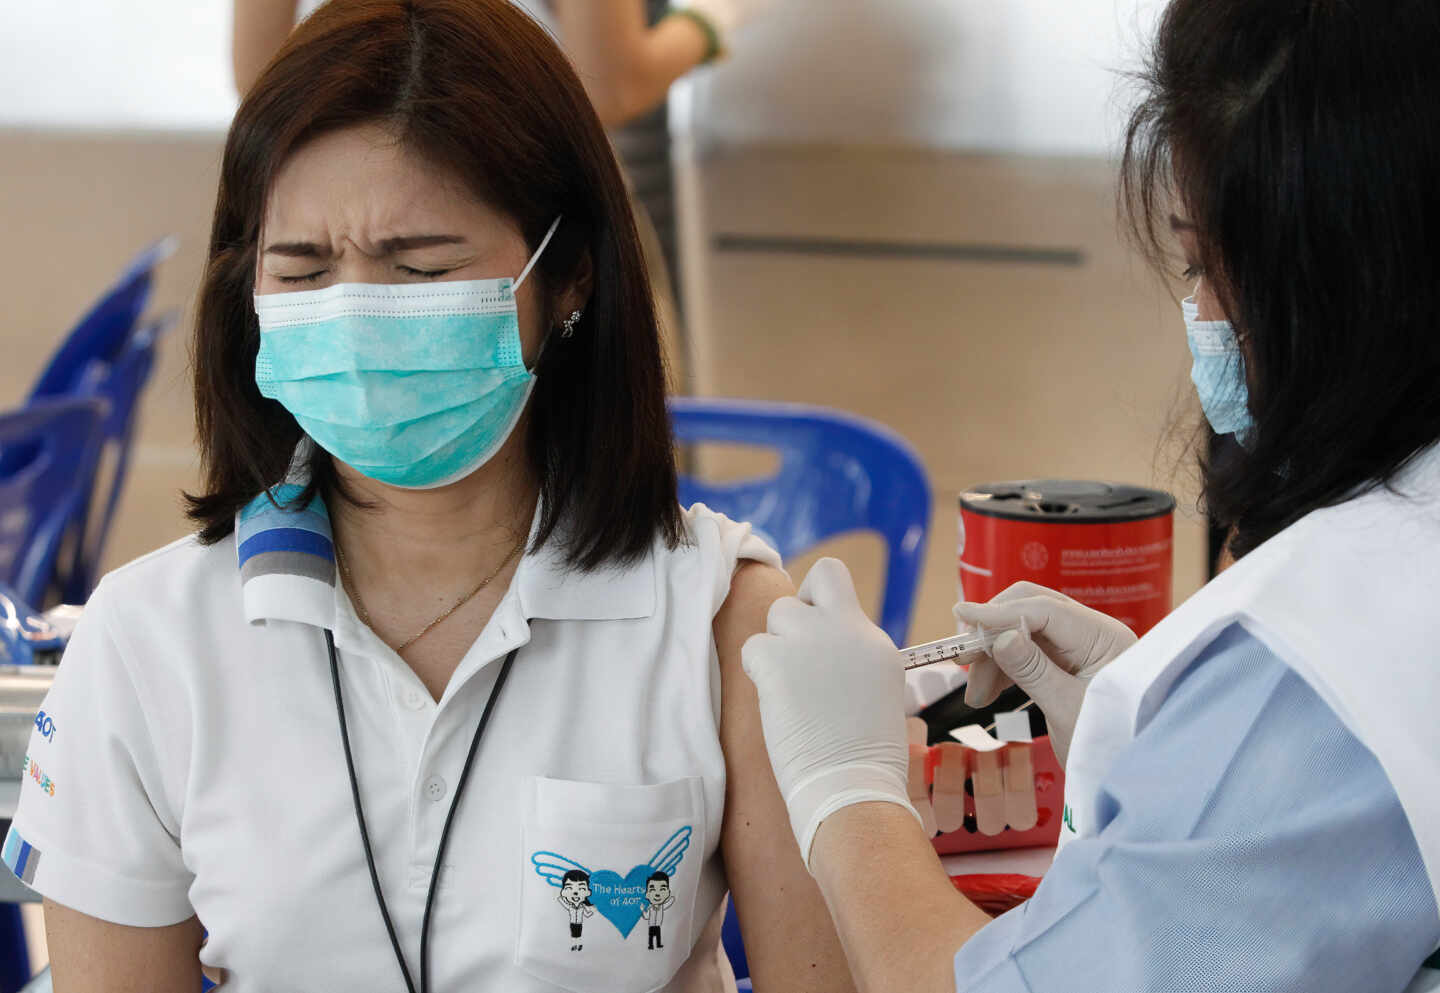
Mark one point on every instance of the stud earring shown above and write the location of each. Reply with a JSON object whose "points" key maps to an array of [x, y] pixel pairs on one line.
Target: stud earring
{"points": [[567, 326]]}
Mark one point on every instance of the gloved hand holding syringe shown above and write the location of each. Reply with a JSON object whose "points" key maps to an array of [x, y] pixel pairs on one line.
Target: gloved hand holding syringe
{"points": [[832, 686], [1035, 638]]}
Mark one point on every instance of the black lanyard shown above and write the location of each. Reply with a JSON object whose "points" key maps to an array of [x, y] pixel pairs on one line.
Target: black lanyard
{"points": [[444, 833]]}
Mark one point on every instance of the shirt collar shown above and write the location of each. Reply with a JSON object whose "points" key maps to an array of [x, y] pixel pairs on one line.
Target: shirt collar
{"points": [[286, 558]]}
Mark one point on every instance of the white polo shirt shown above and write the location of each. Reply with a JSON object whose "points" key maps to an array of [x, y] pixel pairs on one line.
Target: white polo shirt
{"points": [[195, 767]]}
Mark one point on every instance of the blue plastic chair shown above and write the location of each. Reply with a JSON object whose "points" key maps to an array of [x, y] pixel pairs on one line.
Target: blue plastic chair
{"points": [[81, 365], [14, 956], [22, 634], [838, 473], [734, 947], [120, 383], [40, 984], [41, 491], [106, 327]]}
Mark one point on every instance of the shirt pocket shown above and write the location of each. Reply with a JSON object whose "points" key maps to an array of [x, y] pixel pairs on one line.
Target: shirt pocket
{"points": [[607, 899]]}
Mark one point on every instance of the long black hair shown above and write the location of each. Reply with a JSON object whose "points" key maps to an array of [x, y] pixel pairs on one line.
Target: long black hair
{"points": [[1302, 140], [479, 89]]}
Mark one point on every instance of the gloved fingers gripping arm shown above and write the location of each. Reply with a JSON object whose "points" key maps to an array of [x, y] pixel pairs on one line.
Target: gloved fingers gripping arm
{"points": [[831, 690], [1054, 649]]}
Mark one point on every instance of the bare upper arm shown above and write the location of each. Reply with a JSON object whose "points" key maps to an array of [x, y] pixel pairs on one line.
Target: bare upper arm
{"points": [[259, 28], [790, 941], [88, 955], [626, 65]]}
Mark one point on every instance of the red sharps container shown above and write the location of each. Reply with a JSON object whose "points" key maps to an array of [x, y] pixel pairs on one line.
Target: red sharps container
{"points": [[1108, 545]]}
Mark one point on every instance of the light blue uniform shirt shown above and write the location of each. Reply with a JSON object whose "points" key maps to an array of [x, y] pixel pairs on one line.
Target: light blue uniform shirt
{"points": [[1252, 844]]}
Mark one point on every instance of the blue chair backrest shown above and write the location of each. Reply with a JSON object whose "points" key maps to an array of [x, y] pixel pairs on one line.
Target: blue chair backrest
{"points": [[40, 493], [120, 383], [107, 326], [838, 473]]}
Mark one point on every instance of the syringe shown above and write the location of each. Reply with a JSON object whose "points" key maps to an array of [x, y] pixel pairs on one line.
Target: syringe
{"points": [[961, 649]]}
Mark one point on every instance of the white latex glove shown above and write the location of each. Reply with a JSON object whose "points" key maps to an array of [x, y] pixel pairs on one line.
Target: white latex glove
{"points": [[725, 16], [1058, 647], [832, 697]]}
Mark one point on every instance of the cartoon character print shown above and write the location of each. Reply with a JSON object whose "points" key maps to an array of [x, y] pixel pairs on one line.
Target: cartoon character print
{"points": [[575, 898], [657, 899], [644, 892]]}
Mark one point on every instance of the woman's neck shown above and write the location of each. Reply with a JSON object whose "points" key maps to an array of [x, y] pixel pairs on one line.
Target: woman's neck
{"points": [[435, 540]]}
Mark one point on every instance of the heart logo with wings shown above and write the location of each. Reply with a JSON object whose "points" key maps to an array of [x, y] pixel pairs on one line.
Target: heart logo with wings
{"points": [[619, 899]]}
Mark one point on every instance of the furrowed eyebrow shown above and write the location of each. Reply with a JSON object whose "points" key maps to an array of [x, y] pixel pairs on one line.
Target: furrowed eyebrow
{"points": [[389, 246], [296, 249], [410, 242]]}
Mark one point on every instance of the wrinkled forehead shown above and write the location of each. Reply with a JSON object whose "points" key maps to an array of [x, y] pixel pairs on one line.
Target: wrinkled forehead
{"points": [[364, 179]]}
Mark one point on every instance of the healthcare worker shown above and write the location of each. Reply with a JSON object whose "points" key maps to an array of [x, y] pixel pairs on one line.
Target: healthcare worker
{"points": [[1252, 789], [447, 680]]}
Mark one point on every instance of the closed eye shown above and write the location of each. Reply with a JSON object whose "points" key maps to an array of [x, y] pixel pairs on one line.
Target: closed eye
{"points": [[307, 278], [424, 273]]}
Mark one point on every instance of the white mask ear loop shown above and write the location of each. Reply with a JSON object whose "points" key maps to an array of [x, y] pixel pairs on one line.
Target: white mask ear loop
{"points": [[554, 225]]}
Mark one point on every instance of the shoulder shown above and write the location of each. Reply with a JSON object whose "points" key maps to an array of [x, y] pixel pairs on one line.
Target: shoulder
{"points": [[1340, 572], [712, 533], [1384, 524], [180, 576], [184, 593], [714, 555]]}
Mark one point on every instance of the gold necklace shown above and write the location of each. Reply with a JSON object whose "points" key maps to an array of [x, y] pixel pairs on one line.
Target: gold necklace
{"points": [[354, 593]]}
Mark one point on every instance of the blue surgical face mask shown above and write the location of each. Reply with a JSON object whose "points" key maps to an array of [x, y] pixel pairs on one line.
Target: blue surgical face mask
{"points": [[414, 385], [1218, 373]]}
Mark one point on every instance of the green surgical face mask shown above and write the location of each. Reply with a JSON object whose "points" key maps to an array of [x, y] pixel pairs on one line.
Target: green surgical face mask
{"points": [[414, 385]]}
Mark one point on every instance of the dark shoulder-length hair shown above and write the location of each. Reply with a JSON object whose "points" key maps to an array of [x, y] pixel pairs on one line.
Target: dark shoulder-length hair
{"points": [[1302, 139], [479, 89]]}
